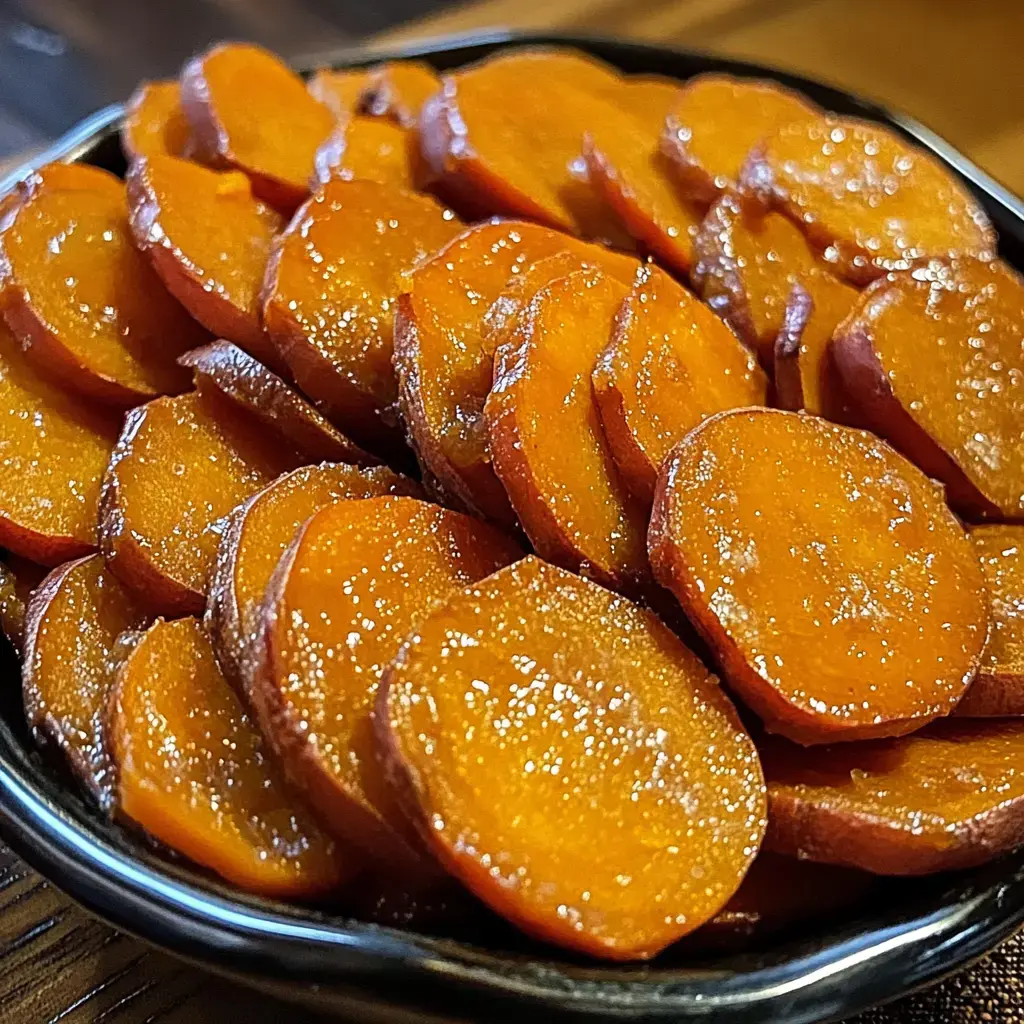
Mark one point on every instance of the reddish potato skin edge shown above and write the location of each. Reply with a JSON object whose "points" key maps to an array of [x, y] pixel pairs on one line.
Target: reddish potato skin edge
{"points": [[43, 548], [222, 618], [789, 387], [993, 694], [691, 179]]}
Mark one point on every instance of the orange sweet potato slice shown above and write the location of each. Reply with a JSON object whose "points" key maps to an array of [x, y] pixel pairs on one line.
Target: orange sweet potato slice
{"points": [[247, 109], [261, 530], [72, 625], [253, 388], [998, 688], [950, 796], [18, 579], [880, 624], [670, 363], [714, 124], [545, 434], [194, 772], [181, 465], [866, 199], [208, 240], [154, 123], [53, 451], [340, 91], [398, 90], [356, 579], [623, 863], [83, 301], [369, 149], [933, 360], [73, 177], [330, 291]]}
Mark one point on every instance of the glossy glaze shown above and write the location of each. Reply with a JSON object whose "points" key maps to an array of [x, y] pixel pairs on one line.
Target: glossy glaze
{"points": [[154, 123]]}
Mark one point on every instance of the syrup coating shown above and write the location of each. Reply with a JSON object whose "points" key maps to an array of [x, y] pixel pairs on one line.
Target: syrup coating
{"points": [[398, 90], [370, 149], [154, 123], [843, 599], [18, 579], [340, 91]]}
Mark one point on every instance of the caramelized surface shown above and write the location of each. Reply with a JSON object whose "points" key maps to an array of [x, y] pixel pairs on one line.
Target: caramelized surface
{"points": [[208, 239], [398, 89], [331, 289], [369, 149], [545, 434], [84, 301], [358, 578], [53, 450], [18, 578], [868, 200], [670, 363], [194, 772], [71, 634], [181, 465], [842, 598], [572, 762], [154, 124], [248, 109], [934, 358], [950, 796]]}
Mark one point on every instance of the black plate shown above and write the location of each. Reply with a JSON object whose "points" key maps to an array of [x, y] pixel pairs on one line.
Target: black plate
{"points": [[926, 929]]}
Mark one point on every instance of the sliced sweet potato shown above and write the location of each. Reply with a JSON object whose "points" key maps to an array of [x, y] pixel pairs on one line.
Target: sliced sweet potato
{"points": [[194, 772], [950, 796], [998, 688], [545, 435], [154, 123], [53, 450], [259, 532], [18, 579], [444, 352], [208, 240], [340, 91], [71, 629], [369, 149], [398, 90], [248, 109], [842, 598], [357, 578], [73, 177], [869, 201], [330, 290], [933, 360], [83, 302], [747, 263], [181, 465], [716, 121], [260, 392], [649, 98], [670, 362], [502, 718]]}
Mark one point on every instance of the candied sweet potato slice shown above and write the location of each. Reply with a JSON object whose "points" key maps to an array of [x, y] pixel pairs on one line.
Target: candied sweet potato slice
{"points": [[181, 465], [330, 292], [950, 796], [545, 434], [194, 772], [575, 836], [154, 123], [71, 630], [998, 688], [369, 149], [340, 91], [73, 177], [258, 391], [83, 301], [933, 358], [258, 535], [18, 579], [881, 619], [670, 363], [357, 579], [716, 121], [247, 109], [53, 451], [867, 199], [398, 90], [208, 240]]}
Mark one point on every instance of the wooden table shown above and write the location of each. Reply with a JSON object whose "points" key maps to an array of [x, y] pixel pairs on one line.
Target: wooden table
{"points": [[955, 64]]}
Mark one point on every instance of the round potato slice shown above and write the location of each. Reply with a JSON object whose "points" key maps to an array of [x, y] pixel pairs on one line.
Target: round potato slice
{"points": [[370, 149], [154, 123], [357, 579], [669, 364], [568, 759], [842, 598], [330, 292], [181, 465], [72, 625], [869, 201], [934, 359], [545, 436], [948, 797], [83, 302], [248, 109], [208, 240], [194, 772], [18, 579], [260, 532]]}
